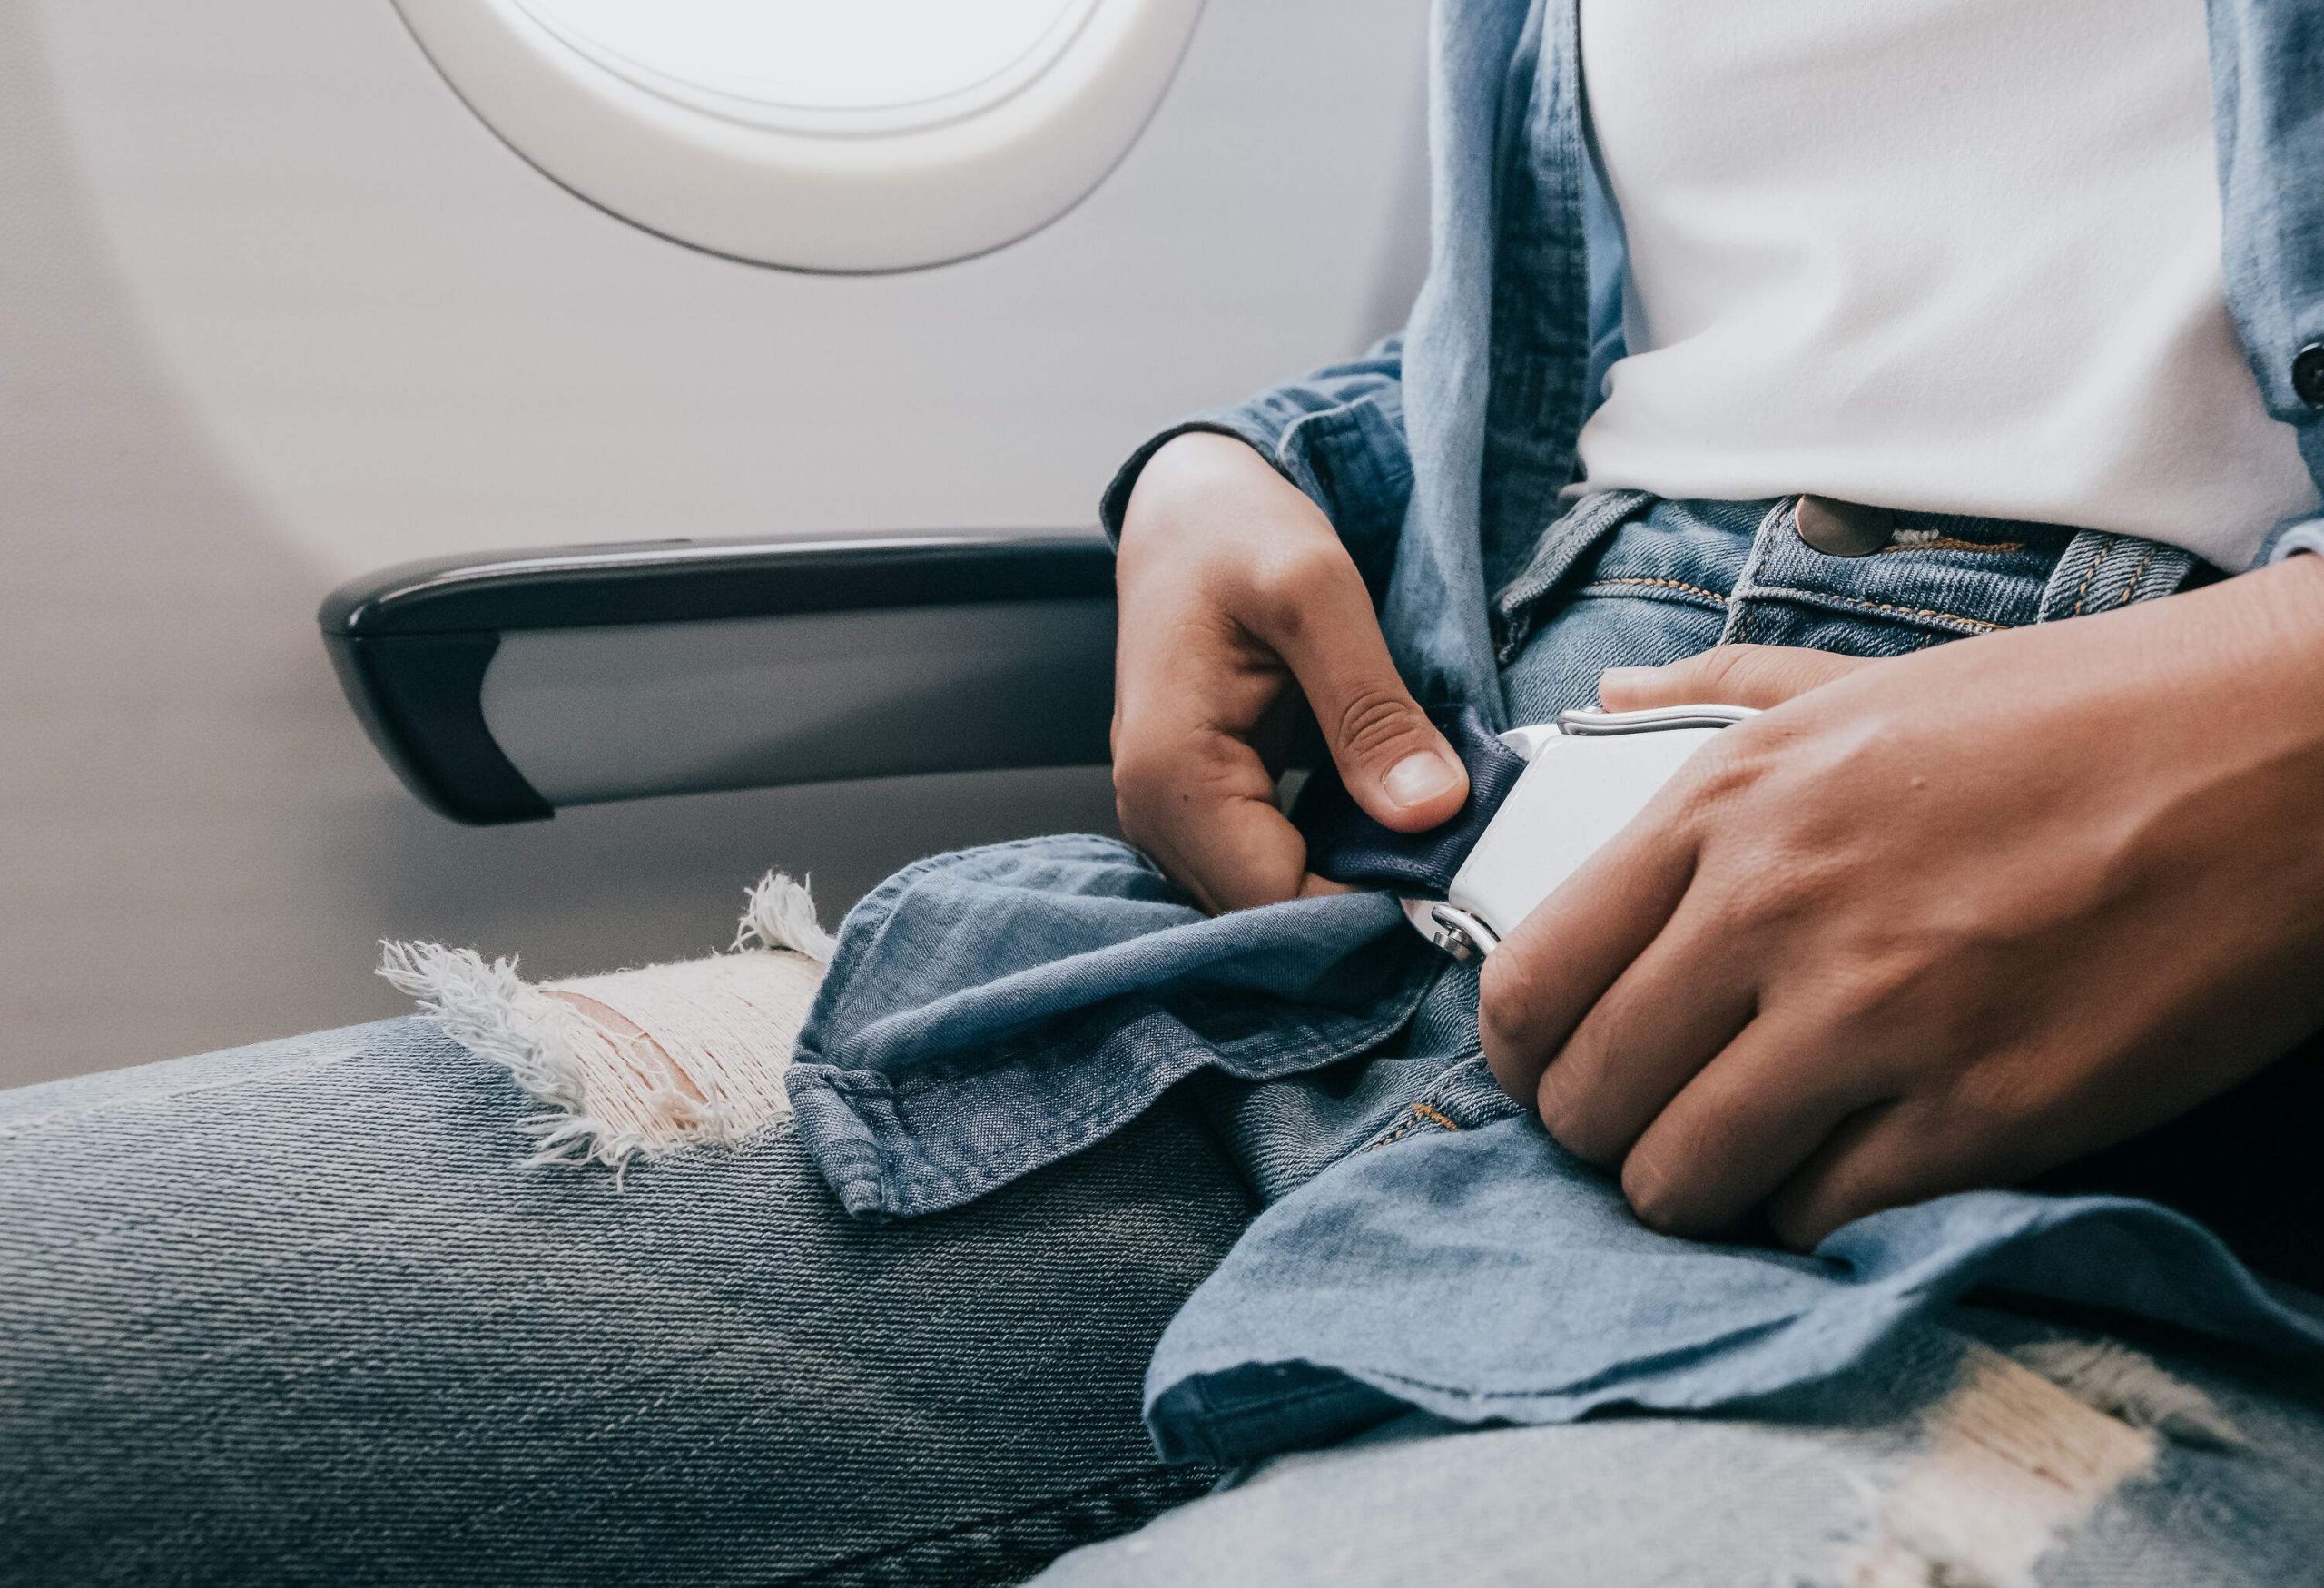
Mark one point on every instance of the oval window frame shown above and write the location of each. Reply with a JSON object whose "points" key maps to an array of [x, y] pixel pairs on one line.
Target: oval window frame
{"points": [[847, 194]]}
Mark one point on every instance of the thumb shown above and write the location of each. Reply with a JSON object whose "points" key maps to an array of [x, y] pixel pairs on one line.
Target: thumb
{"points": [[1393, 761], [1756, 676], [1396, 765]]}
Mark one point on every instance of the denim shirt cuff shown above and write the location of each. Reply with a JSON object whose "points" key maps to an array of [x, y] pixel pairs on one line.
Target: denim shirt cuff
{"points": [[1114, 503], [1349, 459]]}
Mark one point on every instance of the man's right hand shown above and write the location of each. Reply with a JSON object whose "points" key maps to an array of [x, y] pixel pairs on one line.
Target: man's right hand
{"points": [[1237, 602]]}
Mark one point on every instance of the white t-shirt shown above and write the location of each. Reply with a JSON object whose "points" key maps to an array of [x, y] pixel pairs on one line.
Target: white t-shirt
{"points": [[1952, 255]]}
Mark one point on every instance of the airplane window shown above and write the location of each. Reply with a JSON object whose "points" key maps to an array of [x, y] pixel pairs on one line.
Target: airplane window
{"points": [[862, 56], [817, 134]]}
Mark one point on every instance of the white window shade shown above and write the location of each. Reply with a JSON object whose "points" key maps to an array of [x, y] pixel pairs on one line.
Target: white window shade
{"points": [[820, 135], [886, 64]]}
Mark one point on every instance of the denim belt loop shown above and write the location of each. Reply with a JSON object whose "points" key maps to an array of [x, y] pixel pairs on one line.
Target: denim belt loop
{"points": [[1780, 521], [2099, 572]]}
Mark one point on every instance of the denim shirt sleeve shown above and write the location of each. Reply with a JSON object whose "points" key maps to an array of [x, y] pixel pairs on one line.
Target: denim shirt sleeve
{"points": [[2267, 61], [1337, 434]]}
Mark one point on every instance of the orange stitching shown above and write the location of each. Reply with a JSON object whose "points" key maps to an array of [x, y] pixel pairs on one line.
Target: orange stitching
{"points": [[1419, 1111], [2096, 563], [1391, 1138], [1948, 543], [2131, 590], [1666, 584]]}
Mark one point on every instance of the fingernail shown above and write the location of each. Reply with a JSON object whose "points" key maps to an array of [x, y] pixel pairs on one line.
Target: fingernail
{"points": [[1420, 777]]}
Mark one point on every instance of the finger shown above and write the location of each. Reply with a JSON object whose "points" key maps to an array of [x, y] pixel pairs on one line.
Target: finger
{"points": [[1190, 788], [1920, 1146], [1869, 1162], [1394, 762], [1741, 1127], [1669, 1013], [1543, 978], [1246, 854], [1926, 1144], [1200, 803], [1755, 676]]}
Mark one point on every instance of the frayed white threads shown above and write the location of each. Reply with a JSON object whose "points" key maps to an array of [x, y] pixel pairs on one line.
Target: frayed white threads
{"points": [[781, 914], [494, 1013], [2128, 1384], [643, 1061], [2011, 1463]]}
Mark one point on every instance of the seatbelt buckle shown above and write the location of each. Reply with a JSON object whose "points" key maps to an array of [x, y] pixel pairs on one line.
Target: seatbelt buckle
{"points": [[1586, 773]]}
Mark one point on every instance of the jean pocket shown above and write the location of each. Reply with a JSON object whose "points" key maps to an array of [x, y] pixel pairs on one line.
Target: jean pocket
{"points": [[1568, 539], [1934, 577], [2099, 572]]}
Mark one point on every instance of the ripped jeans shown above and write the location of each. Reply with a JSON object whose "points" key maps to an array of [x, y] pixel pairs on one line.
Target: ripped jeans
{"points": [[299, 1313]]}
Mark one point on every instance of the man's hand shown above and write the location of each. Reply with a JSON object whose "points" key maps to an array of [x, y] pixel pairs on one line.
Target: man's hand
{"points": [[1237, 598], [1940, 922]]}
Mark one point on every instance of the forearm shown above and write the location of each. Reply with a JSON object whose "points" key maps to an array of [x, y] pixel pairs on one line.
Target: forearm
{"points": [[2249, 652]]}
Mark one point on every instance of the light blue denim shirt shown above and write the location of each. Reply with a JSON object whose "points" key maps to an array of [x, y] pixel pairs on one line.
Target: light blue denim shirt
{"points": [[1426, 1244]]}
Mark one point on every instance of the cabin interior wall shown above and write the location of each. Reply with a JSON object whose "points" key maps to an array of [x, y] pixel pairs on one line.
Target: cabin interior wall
{"points": [[274, 308]]}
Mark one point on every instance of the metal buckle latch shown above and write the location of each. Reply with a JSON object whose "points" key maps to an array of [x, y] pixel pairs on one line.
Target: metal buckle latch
{"points": [[1460, 933]]}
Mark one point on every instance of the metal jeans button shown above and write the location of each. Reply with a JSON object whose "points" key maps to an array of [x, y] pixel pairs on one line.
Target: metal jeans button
{"points": [[1843, 528]]}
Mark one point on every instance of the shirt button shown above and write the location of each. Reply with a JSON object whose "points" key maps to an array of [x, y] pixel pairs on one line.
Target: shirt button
{"points": [[1843, 528], [2307, 374]]}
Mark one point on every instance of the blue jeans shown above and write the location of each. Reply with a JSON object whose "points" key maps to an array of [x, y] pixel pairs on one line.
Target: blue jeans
{"points": [[1865, 1487], [296, 1313], [299, 1314]]}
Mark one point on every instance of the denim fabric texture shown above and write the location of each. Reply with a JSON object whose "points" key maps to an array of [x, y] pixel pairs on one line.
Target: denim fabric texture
{"points": [[1464, 1266], [1427, 1247], [1758, 1496], [302, 1313], [991, 1012]]}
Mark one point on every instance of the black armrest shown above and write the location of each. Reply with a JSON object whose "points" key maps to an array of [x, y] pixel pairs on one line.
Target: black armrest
{"points": [[501, 687]]}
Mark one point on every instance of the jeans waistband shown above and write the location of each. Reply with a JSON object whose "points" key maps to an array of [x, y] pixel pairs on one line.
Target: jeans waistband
{"points": [[1938, 574]]}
